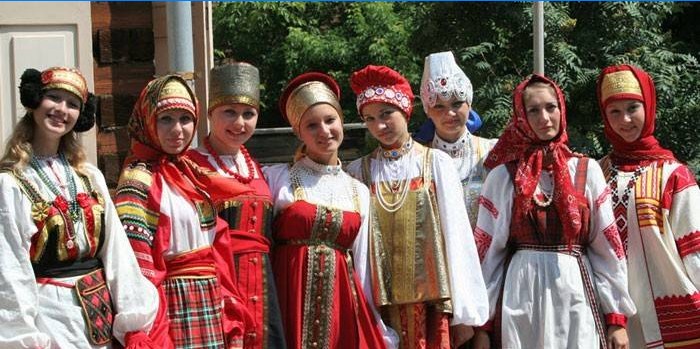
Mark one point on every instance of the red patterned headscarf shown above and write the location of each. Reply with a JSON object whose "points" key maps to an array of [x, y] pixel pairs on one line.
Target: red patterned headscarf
{"points": [[629, 82], [520, 144]]}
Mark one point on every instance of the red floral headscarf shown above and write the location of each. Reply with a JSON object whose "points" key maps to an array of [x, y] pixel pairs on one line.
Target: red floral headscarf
{"points": [[520, 144], [616, 83]]}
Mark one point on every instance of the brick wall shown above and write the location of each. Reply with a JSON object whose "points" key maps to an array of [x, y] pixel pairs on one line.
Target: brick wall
{"points": [[123, 47]]}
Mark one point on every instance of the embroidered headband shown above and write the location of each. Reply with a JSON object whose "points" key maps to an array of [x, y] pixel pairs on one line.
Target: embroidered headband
{"points": [[620, 85], [68, 79], [174, 95]]}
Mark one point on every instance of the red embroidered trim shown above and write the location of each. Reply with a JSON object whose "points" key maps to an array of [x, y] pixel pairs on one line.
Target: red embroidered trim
{"points": [[603, 196], [613, 237], [483, 242], [689, 243], [680, 180], [679, 317], [488, 205], [616, 319]]}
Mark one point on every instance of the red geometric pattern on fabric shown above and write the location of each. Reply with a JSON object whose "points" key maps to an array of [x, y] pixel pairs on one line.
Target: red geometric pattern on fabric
{"points": [[96, 303], [483, 242], [489, 206], [689, 243], [603, 196], [620, 212], [679, 319], [681, 179], [194, 310], [613, 237]]}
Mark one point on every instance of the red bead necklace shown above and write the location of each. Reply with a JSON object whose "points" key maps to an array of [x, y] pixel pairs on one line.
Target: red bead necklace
{"points": [[246, 157]]}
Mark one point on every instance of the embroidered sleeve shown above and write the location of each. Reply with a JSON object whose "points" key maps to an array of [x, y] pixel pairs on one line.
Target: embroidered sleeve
{"points": [[681, 206], [605, 252], [469, 298], [139, 213], [492, 232], [19, 297], [483, 242]]}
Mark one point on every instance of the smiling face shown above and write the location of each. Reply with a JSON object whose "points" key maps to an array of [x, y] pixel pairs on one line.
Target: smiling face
{"points": [[231, 126], [175, 130], [543, 113], [386, 123], [321, 130], [56, 115], [626, 118], [450, 118]]}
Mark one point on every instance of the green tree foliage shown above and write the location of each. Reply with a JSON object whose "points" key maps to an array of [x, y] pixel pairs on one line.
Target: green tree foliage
{"points": [[493, 43], [286, 39]]}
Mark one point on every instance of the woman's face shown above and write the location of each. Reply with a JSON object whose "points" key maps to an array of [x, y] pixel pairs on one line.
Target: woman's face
{"points": [[626, 117], [56, 114], [175, 130], [321, 130], [450, 118], [386, 123], [232, 125], [543, 113]]}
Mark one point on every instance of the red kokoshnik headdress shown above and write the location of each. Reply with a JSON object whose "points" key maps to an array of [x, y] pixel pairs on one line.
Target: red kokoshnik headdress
{"points": [[520, 144], [381, 84], [629, 82]]}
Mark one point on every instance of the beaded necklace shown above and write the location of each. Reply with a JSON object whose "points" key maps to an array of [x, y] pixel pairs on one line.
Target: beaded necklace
{"points": [[246, 156], [539, 192], [399, 164], [73, 206], [462, 150]]}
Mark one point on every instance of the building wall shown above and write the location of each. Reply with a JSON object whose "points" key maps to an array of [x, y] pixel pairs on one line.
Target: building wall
{"points": [[40, 35], [123, 50]]}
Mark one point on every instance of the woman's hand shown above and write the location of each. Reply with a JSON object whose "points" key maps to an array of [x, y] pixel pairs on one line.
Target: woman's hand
{"points": [[460, 334], [617, 338], [481, 340]]}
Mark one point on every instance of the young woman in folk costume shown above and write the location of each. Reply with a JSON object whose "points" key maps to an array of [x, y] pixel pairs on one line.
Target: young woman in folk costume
{"points": [[234, 106], [425, 271], [447, 94], [553, 263], [320, 230], [655, 200], [180, 245], [66, 269]]}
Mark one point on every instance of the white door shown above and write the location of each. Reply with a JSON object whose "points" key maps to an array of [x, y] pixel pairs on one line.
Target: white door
{"points": [[42, 35]]}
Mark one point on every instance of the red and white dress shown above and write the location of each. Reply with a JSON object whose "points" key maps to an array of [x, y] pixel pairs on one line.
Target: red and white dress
{"points": [[44, 254], [249, 217], [543, 292], [320, 258], [182, 252], [660, 229]]}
